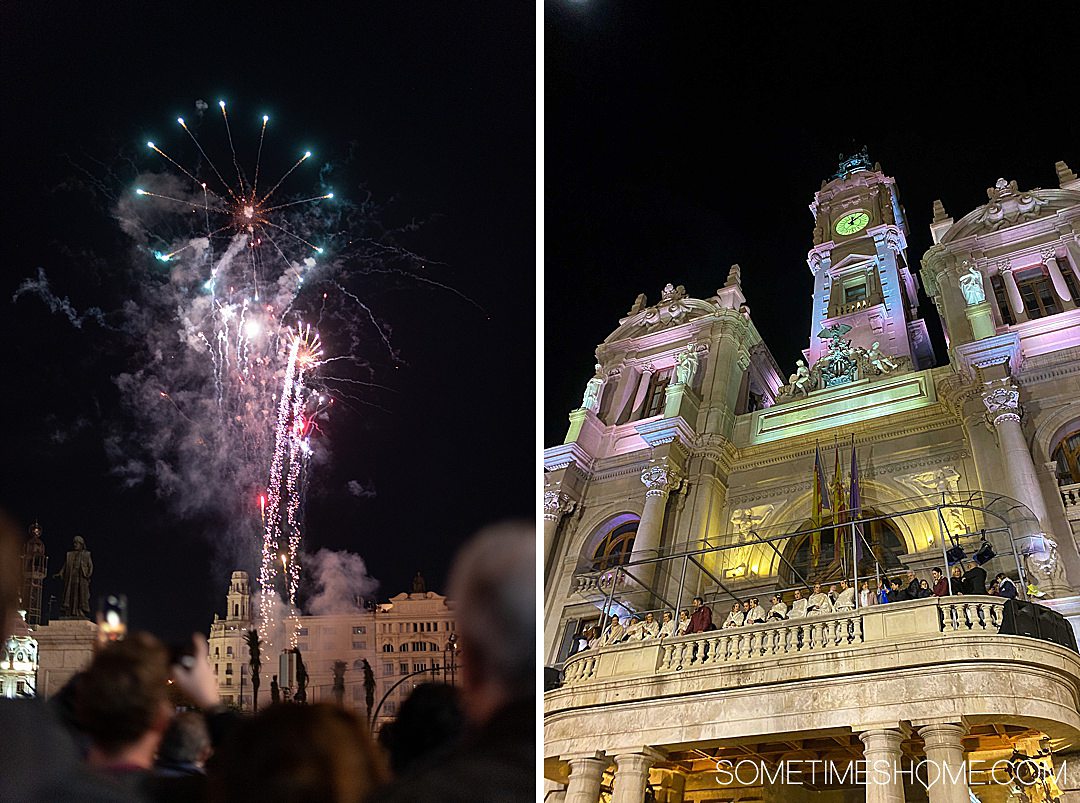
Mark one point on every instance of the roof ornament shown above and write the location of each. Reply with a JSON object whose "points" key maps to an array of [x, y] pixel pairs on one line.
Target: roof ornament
{"points": [[853, 164]]}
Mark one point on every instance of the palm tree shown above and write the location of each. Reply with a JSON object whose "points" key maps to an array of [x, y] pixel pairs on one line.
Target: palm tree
{"points": [[339, 681], [369, 688], [254, 645]]}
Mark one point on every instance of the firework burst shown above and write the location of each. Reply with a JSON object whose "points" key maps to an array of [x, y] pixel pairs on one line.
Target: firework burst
{"points": [[249, 266]]}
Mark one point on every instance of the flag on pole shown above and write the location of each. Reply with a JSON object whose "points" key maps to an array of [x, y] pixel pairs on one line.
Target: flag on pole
{"points": [[855, 503], [837, 490], [821, 488]]}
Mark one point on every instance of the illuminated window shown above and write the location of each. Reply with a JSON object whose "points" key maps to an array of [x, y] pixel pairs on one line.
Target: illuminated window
{"points": [[359, 631], [654, 402], [1067, 457], [1038, 294], [616, 547], [855, 293]]}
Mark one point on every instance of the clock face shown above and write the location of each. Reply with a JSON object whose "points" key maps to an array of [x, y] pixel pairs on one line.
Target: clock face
{"points": [[852, 222]]}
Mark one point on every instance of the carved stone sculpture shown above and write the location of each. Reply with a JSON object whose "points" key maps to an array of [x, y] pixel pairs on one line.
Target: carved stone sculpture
{"points": [[971, 285], [686, 364], [878, 359], [591, 399]]}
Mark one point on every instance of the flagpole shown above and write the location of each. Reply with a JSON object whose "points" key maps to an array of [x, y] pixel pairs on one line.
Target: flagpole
{"points": [[855, 513]]}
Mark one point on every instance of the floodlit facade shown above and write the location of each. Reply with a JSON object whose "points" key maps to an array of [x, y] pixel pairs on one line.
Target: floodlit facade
{"points": [[405, 641], [696, 466]]}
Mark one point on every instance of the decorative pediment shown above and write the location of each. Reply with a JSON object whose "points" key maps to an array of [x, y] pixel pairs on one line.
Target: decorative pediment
{"points": [[1010, 206], [674, 308], [851, 260]]}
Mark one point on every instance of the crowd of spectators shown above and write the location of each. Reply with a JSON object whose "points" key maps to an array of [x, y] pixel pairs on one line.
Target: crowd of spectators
{"points": [[135, 726], [970, 578]]}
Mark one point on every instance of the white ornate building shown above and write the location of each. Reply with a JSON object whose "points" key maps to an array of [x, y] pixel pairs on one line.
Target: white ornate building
{"points": [[689, 470], [411, 633]]}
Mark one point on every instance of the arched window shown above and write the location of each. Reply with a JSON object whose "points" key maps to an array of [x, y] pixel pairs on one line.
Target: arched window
{"points": [[1067, 457], [358, 664], [387, 647], [403, 648], [827, 555], [615, 548]]}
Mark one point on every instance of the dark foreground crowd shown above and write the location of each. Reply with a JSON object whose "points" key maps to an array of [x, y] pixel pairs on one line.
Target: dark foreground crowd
{"points": [[136, 727]]}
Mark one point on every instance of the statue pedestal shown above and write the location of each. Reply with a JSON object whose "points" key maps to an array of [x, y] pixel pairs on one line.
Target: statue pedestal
{"points": [[585, 430], [982, 322], [65, 646], [680, 402]]}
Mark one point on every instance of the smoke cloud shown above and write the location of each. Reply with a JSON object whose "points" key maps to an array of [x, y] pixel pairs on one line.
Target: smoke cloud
{"points": [[337, 580]]}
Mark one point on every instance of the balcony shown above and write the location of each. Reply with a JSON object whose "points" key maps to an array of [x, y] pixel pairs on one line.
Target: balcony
{"points": [[599, 584], [905, 661], [817, 635], [1070, 500]]}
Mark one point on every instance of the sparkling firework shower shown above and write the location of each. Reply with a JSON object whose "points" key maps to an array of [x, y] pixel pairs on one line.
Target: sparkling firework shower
{"points": [[250, 265]]}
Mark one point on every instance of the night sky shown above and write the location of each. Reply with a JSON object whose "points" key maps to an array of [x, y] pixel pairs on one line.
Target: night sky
{"points": [[436, 104], [683, 137]]}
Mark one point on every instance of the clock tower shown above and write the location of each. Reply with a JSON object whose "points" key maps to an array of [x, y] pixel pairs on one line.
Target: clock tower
{"points": [[862, 278]]}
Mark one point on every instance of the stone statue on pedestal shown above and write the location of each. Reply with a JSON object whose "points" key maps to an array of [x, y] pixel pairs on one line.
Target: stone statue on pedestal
{"points": [[78, 567], [686, 364], [591, 399], [971, 285]]}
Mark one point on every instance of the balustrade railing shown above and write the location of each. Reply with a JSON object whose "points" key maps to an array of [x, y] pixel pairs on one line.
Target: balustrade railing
{"points": [[1070, 500], [947, 616]]}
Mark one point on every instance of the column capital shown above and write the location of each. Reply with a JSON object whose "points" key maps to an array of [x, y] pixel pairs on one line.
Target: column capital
{"points": [[660, 479], [556, 503], [631, 754], [1048, 252], [939, 732], [882, 737], [1002, 400]]}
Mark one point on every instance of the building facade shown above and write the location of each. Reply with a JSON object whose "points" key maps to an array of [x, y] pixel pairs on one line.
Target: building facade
{"points": [[696, 467], [405, 641]]}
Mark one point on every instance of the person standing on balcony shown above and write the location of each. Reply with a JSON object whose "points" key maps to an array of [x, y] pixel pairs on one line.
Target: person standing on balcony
{"points": [[974, 580], [667, 627], [957, 581], [615, 633], [778, 611], [911, 585], [941, 585], [896, 593], [845, 600], [756, 616], [633, 630], [866, 598], [650, 628], [819, 601], [701, 621], [684, 623], [798, 606], [1006, 587], [735, 618]]}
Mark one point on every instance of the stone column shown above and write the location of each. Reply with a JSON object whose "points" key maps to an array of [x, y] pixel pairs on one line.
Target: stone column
{"points": [[881, 750], [946, 773], [1056, 278], [1072, 256], [585, 774], [659, 481], [556, 504], [631, 775], [1002, 400], [1015, 300]]}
